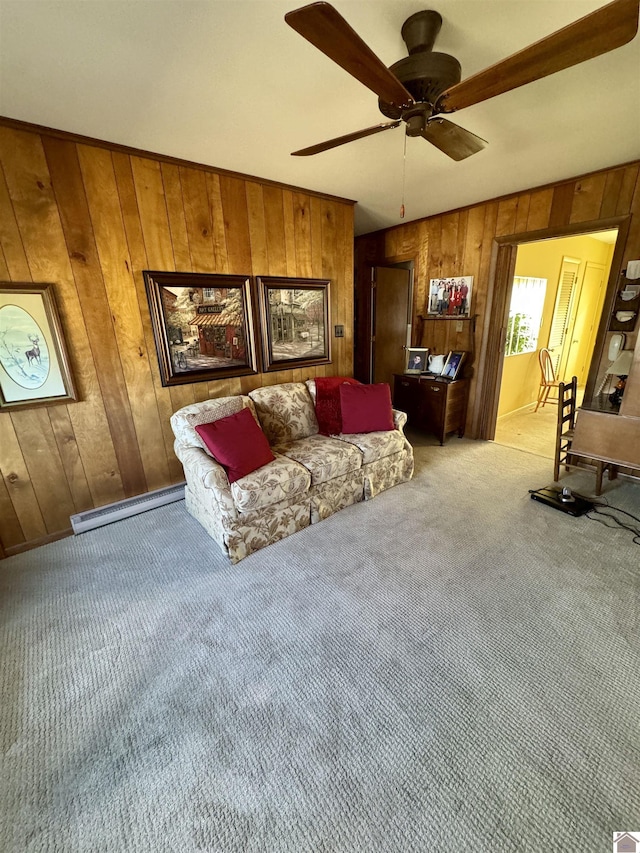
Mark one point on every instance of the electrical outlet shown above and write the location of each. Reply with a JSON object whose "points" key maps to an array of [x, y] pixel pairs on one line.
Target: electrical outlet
{"points": [[458, 325], [339, 331]]}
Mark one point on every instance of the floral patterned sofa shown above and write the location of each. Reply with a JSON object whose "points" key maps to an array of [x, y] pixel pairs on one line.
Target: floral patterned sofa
{"points": [[311, 477]]}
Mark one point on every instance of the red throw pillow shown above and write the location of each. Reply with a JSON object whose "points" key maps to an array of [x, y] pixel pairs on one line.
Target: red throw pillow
{"points": [[328, 403], [366, 408], [237, 443]]}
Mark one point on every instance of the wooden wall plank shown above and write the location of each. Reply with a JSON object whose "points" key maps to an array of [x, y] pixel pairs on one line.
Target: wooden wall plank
{"points": [[289, 234], [68, 184], [629, 183], [587, 198], [11, 533], [10, 239], [70, 456], [214, 194], [104, 207], [175, 202], [236, 225], [522, 212], [154, 221], [199, 225], [275, 230], [539, 210], [18, 483], [302, 232], [257, 229], [611, 193], [46, 472], [137, 252], [561, 205]]}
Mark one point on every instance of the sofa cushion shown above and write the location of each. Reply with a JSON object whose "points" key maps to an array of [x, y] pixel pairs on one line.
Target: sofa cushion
{"points": [[237, 443], [286, 412], [279, 480], [324, 458], [185, 420], [376, 445], [327, 402], [366, 408]]}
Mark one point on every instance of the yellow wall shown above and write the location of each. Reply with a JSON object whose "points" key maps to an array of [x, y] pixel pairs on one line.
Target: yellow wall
{"points": [[521, 373]]}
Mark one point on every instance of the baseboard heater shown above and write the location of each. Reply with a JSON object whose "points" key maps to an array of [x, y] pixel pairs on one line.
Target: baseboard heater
{"points": [[93, 518]]}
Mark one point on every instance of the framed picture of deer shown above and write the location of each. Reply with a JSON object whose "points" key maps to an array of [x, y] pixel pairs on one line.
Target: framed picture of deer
{"points": [[34, 365]]}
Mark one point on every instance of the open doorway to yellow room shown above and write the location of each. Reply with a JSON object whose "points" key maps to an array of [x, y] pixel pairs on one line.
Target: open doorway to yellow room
{"points": [[556, 302]]}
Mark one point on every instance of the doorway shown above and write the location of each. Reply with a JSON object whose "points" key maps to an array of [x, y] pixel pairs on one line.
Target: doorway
{"points": [[556, 300]]}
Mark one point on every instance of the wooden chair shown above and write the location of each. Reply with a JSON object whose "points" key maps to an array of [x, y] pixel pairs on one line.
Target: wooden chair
{"points": [[567, 406], [547, 377]]}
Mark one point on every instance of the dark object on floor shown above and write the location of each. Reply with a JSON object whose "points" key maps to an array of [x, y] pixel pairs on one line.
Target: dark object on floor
{"points": [[562, 499]]}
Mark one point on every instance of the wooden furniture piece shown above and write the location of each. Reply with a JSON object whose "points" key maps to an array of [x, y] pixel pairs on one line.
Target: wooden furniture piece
{"points": [[434, 405], [565, 455], [547, 377]]}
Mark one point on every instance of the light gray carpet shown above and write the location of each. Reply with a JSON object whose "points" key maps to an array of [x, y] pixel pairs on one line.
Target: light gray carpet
{"points": [[448, 667]]}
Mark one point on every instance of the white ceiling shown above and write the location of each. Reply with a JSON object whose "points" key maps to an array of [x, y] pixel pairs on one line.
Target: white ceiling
{"points": [[229, 84]]}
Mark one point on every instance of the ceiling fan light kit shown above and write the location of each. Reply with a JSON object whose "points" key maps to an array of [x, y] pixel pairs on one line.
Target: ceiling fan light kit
{"points": [[418, 89]]}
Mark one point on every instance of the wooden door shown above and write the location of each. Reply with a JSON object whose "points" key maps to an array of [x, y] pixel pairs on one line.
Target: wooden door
{"points": [[390, 292]]}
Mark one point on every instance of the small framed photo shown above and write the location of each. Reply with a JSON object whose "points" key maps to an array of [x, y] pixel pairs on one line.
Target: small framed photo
{"points": [[416, 360], [452, 365], [450, 297]]}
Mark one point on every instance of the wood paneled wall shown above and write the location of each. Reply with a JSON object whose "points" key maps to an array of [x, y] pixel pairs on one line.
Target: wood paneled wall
{"points": [[463, 242], [90, 218]]}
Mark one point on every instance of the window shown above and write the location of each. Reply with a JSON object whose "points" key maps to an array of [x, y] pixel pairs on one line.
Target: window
{"points": [[525, 315]]}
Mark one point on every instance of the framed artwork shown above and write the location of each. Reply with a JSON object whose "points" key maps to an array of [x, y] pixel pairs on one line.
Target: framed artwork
{"points": [[294, 316], [34, 365], [452, 365], [202, 325], [416, 359], [450, 297]]}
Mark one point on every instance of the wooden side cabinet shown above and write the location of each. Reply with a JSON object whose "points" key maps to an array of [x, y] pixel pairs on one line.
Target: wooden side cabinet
{"points": [[433, 405]]}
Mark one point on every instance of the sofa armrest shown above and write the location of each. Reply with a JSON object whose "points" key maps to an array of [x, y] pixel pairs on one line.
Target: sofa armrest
{"points": [[202, 472], [399, 419]]}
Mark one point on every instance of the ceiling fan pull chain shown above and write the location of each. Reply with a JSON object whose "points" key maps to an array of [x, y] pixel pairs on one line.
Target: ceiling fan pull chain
{"points": [[404, 174]]}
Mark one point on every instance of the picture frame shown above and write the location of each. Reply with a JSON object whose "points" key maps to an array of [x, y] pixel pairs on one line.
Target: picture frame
{"points": [[203, 325], [452, 365], [34, 364], [450, 298], [294, 320], [416, 360]]}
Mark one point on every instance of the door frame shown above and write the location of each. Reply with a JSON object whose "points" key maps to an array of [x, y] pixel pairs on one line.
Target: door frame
{"points": [[502, 270]]}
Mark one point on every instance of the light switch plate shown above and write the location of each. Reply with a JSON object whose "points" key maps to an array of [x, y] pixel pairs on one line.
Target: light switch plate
{"points": [[339, 331]]}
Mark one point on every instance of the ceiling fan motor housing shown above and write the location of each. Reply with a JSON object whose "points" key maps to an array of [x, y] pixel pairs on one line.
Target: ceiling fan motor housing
{"points": [[423, 73]]}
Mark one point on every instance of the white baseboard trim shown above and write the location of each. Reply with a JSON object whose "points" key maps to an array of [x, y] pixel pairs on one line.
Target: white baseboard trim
{"points": [[93, 518]]}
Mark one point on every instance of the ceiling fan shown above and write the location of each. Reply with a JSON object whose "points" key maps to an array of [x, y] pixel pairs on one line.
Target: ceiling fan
{"points": [[422, 87]]}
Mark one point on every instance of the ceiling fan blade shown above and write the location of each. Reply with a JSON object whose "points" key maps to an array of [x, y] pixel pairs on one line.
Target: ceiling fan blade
{"points": [[341, 140], [599, 32], [451, 139], [327, 30]]}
